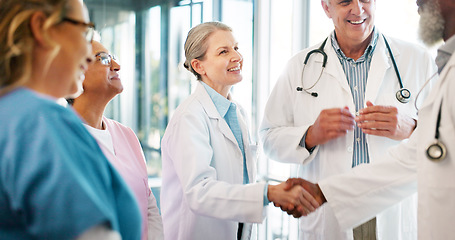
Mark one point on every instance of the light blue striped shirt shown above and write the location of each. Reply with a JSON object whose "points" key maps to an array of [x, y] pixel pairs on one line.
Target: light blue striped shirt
{"points": [[357, 74]]}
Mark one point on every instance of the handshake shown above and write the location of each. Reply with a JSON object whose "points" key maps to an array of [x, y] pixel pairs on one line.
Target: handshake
{"points": [[296, 196]]}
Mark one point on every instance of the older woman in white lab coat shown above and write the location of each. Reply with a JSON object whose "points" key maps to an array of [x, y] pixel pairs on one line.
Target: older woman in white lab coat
{"points": [[207, 161]]}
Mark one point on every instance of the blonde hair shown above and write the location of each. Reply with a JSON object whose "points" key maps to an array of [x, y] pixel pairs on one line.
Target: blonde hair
{"points": [[196, 42], [17, 41]]}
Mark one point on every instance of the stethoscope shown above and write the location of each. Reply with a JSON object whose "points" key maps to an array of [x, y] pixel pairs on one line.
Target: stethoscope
{"points": [[403, 95], [437, 151]]}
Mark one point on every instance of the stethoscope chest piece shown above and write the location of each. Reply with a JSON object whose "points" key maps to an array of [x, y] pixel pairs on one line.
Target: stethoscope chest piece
{"points": [[436, 151], [403, 95]]}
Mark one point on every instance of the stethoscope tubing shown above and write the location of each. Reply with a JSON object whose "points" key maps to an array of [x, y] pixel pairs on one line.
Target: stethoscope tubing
{"points": [[403, 95], [436, 151]]}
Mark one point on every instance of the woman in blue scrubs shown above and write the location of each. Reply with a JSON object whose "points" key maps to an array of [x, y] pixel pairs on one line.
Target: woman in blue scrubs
{"points": [[55, 183]]}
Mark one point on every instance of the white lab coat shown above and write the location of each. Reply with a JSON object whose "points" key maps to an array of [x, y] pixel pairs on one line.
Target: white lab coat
{"points": [[203, 196], [352, 199], [289, 113]]}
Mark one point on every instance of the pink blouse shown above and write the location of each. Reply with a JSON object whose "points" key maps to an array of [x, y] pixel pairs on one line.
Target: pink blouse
{"points": [[122, 148]]}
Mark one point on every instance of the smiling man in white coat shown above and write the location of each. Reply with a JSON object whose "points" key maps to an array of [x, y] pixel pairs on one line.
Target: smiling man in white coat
{"points": [[427, 157], [309, 118]]}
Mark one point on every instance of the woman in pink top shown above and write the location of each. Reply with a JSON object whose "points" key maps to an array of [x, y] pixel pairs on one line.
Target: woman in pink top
{"points": [[118, 142]]}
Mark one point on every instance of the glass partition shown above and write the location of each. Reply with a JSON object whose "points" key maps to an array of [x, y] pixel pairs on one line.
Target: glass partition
{"points": [[238, 14], [152, 101]]}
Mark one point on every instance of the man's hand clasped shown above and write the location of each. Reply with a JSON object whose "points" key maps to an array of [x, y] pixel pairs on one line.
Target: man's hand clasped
{"points": [[296, 196]]}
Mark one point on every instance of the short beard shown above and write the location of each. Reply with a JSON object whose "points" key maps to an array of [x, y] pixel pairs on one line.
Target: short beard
{"points": [[431, 24]]}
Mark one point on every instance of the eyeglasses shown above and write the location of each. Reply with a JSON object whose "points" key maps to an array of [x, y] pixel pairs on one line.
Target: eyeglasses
{"points": [[105, 58], [90, 27]]}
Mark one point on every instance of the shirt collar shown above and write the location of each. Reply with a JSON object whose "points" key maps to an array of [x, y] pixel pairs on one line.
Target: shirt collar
{"points": [[222, 104], [449, 46], [445, 52], [368, 51]]}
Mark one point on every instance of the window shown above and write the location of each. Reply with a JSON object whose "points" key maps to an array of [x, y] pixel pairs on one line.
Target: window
{"points": [[152, 94], [148, 38], [238, 14]]}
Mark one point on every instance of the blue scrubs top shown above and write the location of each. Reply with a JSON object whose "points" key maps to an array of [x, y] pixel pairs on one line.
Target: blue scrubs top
{"points": [[55, 182]]}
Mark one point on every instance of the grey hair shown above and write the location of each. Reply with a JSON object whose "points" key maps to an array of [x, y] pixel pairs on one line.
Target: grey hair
{"points": [[196, 42]]}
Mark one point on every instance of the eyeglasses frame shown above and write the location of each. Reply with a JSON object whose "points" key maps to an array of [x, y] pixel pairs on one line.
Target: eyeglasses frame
{"points": [[90, 27], [111, 58]]}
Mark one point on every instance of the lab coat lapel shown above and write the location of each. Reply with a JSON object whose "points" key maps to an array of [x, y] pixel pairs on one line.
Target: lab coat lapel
{"points": [[334, 68], [438, 87], [250, 163], [212, 112], [380, 63], [436, 90]]}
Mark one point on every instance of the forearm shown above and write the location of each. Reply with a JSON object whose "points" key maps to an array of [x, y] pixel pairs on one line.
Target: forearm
{"points": [[308, 140]]}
